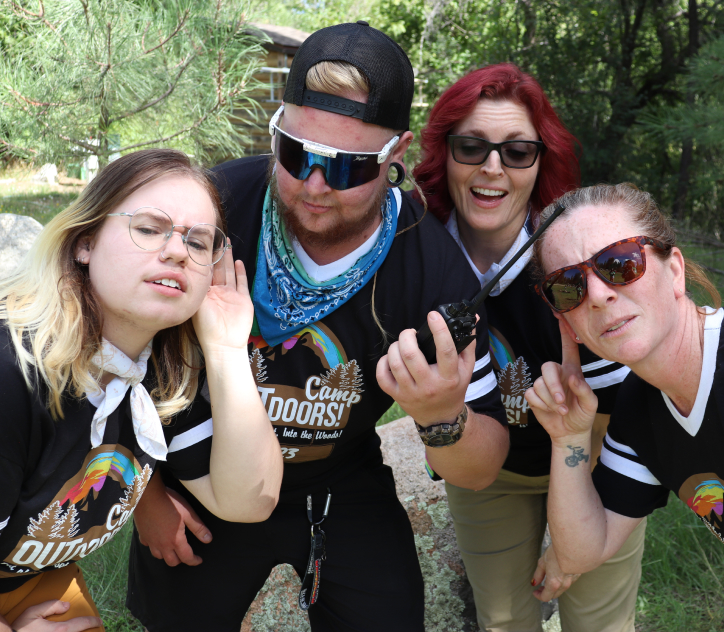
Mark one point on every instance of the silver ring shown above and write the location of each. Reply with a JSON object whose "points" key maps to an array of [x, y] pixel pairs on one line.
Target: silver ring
{"points": [[162, 257]]}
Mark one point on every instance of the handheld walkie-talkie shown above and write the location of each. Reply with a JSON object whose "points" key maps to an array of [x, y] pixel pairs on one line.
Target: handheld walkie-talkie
{"points": [[460, 317]]}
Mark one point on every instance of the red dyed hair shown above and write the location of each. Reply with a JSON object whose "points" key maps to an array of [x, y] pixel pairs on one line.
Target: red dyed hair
{"points": [[559, 171]]}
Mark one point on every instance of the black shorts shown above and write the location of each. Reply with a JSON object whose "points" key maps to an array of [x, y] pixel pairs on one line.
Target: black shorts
{"points": [[370, 581]]}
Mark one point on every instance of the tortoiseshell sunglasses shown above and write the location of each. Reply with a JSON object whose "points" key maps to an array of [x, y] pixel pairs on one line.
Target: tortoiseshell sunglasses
{"points": [[620, 263]]}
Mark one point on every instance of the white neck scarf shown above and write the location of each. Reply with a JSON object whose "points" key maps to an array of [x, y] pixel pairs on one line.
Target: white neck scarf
{"points": [[146, 422], [510, 275]]}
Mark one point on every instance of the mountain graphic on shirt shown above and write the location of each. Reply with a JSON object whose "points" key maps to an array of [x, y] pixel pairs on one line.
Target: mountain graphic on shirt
{"points": [[704, 495]]}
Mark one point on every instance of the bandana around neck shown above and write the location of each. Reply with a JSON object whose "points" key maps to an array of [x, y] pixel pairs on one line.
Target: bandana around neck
{"points": [[129, 374], [285, 298]]}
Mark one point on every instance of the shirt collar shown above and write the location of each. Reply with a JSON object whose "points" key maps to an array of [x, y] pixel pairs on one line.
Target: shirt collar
{"points": [[515, 270]]}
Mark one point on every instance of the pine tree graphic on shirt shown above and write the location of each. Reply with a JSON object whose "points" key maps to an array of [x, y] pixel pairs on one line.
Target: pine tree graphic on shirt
{"points": [[344, 377], [256, 361], [66, 524], [514, 379], [42, 528]]}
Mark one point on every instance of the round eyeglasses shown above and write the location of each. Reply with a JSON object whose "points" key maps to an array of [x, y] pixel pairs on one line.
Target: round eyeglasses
{"points": [[151, 228], [516, 154]]}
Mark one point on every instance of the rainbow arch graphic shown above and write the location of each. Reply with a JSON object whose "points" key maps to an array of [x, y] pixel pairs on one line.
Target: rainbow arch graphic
{"points": [[320, 339], [98, 469]]}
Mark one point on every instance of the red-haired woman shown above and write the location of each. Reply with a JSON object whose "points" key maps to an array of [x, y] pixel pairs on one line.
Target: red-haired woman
{"points": [[494, 155]]}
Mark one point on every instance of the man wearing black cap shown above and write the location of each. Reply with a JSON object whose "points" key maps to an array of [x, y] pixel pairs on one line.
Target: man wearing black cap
{"points": [[342, 263]]}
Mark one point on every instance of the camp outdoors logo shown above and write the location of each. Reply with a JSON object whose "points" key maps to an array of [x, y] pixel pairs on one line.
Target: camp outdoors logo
{"points": [[309, 418], [513, 378], [60, 534], [704, 494]]}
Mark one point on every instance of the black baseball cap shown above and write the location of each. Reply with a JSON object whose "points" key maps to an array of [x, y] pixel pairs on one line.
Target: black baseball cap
{"points": [[379, 58]]}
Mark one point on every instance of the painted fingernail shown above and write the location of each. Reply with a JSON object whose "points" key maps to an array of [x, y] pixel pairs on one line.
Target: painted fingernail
{"points": [[533, 582]]}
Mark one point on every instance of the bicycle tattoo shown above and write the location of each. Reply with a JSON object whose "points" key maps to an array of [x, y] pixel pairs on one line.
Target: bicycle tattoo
{"points": [[576, 457]]}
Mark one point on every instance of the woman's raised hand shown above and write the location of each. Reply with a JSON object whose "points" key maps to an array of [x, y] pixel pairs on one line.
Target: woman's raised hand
{"points": [[561, 399], [226, 314]]}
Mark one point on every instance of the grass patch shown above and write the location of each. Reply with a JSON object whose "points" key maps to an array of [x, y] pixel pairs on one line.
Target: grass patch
{"points": [[394, 412], [106, 573], [42, 206], [683, 571]]}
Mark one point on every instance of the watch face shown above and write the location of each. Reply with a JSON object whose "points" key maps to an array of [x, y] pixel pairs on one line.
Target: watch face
{"points": [[439, 441]]}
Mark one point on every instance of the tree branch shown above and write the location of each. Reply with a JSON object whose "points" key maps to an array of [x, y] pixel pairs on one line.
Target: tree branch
{"points": [[40, 103], [150, 104], [40, 15], [179, 26], [10, 145], [195, 125]]}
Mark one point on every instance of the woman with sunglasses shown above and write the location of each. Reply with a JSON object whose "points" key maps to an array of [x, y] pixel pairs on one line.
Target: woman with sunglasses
{"points": [[127, 309], [618, 284], [494, 155]]}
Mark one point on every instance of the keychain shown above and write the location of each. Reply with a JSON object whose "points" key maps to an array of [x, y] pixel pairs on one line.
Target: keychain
{"points": [[309, 592]]}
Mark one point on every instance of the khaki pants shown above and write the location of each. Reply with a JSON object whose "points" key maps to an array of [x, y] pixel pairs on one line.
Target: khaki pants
{"points": [[66, 584], [499, 533]]}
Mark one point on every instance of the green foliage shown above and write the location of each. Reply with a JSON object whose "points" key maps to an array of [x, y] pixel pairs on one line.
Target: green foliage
{"points": [[106, 575], [312, 15], [394, 412], [148, 73], [40, 206], [681, 587]]}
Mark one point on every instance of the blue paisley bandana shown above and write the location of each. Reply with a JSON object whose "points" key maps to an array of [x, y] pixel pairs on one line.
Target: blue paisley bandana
{"points": [[285, 298]]}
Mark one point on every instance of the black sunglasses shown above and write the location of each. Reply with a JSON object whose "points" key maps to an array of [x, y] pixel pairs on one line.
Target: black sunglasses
{"points": [[516, 154], [620, 263]]}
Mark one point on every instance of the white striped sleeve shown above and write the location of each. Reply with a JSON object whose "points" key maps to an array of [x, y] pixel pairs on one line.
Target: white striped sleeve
{"points": [[604, 373], [190, 437], [482, 381], [622, 459]]}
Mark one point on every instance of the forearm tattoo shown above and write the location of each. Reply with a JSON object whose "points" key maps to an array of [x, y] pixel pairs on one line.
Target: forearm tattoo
{"points": [[576, 457]]}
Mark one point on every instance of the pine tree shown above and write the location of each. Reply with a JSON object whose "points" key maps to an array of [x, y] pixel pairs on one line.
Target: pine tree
{"points": [[353, 377], [522, 377], [46, 522], [66, 525], [98, 78], [256, 360], [507, 379], [335, 377]]}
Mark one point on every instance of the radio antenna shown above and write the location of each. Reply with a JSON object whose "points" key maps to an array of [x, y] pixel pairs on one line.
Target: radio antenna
{"points": [[477, 301]]}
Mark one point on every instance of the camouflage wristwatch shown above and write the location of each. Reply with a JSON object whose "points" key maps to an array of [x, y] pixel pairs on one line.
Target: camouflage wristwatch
{"points": [[441, 435]]}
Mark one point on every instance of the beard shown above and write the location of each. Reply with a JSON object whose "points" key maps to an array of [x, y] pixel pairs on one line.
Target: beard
{"points": [[341, 231]]}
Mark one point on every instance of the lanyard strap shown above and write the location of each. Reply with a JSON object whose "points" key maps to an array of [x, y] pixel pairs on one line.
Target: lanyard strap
{"points": [[309, 592]]}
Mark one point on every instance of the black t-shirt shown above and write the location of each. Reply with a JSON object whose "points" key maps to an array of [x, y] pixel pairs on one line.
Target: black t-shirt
{"points": [[524, 335], [62, 500], [319, 386], [650, 449]]}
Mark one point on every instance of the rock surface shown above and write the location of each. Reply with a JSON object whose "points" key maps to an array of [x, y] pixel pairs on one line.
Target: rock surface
{"points": [[48, 173], [17, 233]]}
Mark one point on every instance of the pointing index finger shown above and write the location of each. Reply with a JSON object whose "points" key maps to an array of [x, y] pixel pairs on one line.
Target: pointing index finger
{"points": [[571, 355]]}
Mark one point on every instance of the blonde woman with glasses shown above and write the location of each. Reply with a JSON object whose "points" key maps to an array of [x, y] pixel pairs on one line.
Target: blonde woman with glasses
{"points": [[121, 330]]}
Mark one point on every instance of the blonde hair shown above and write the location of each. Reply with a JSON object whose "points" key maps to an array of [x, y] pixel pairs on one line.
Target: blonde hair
{"points": [[52, 314], [336, 77], [643, 211]]}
